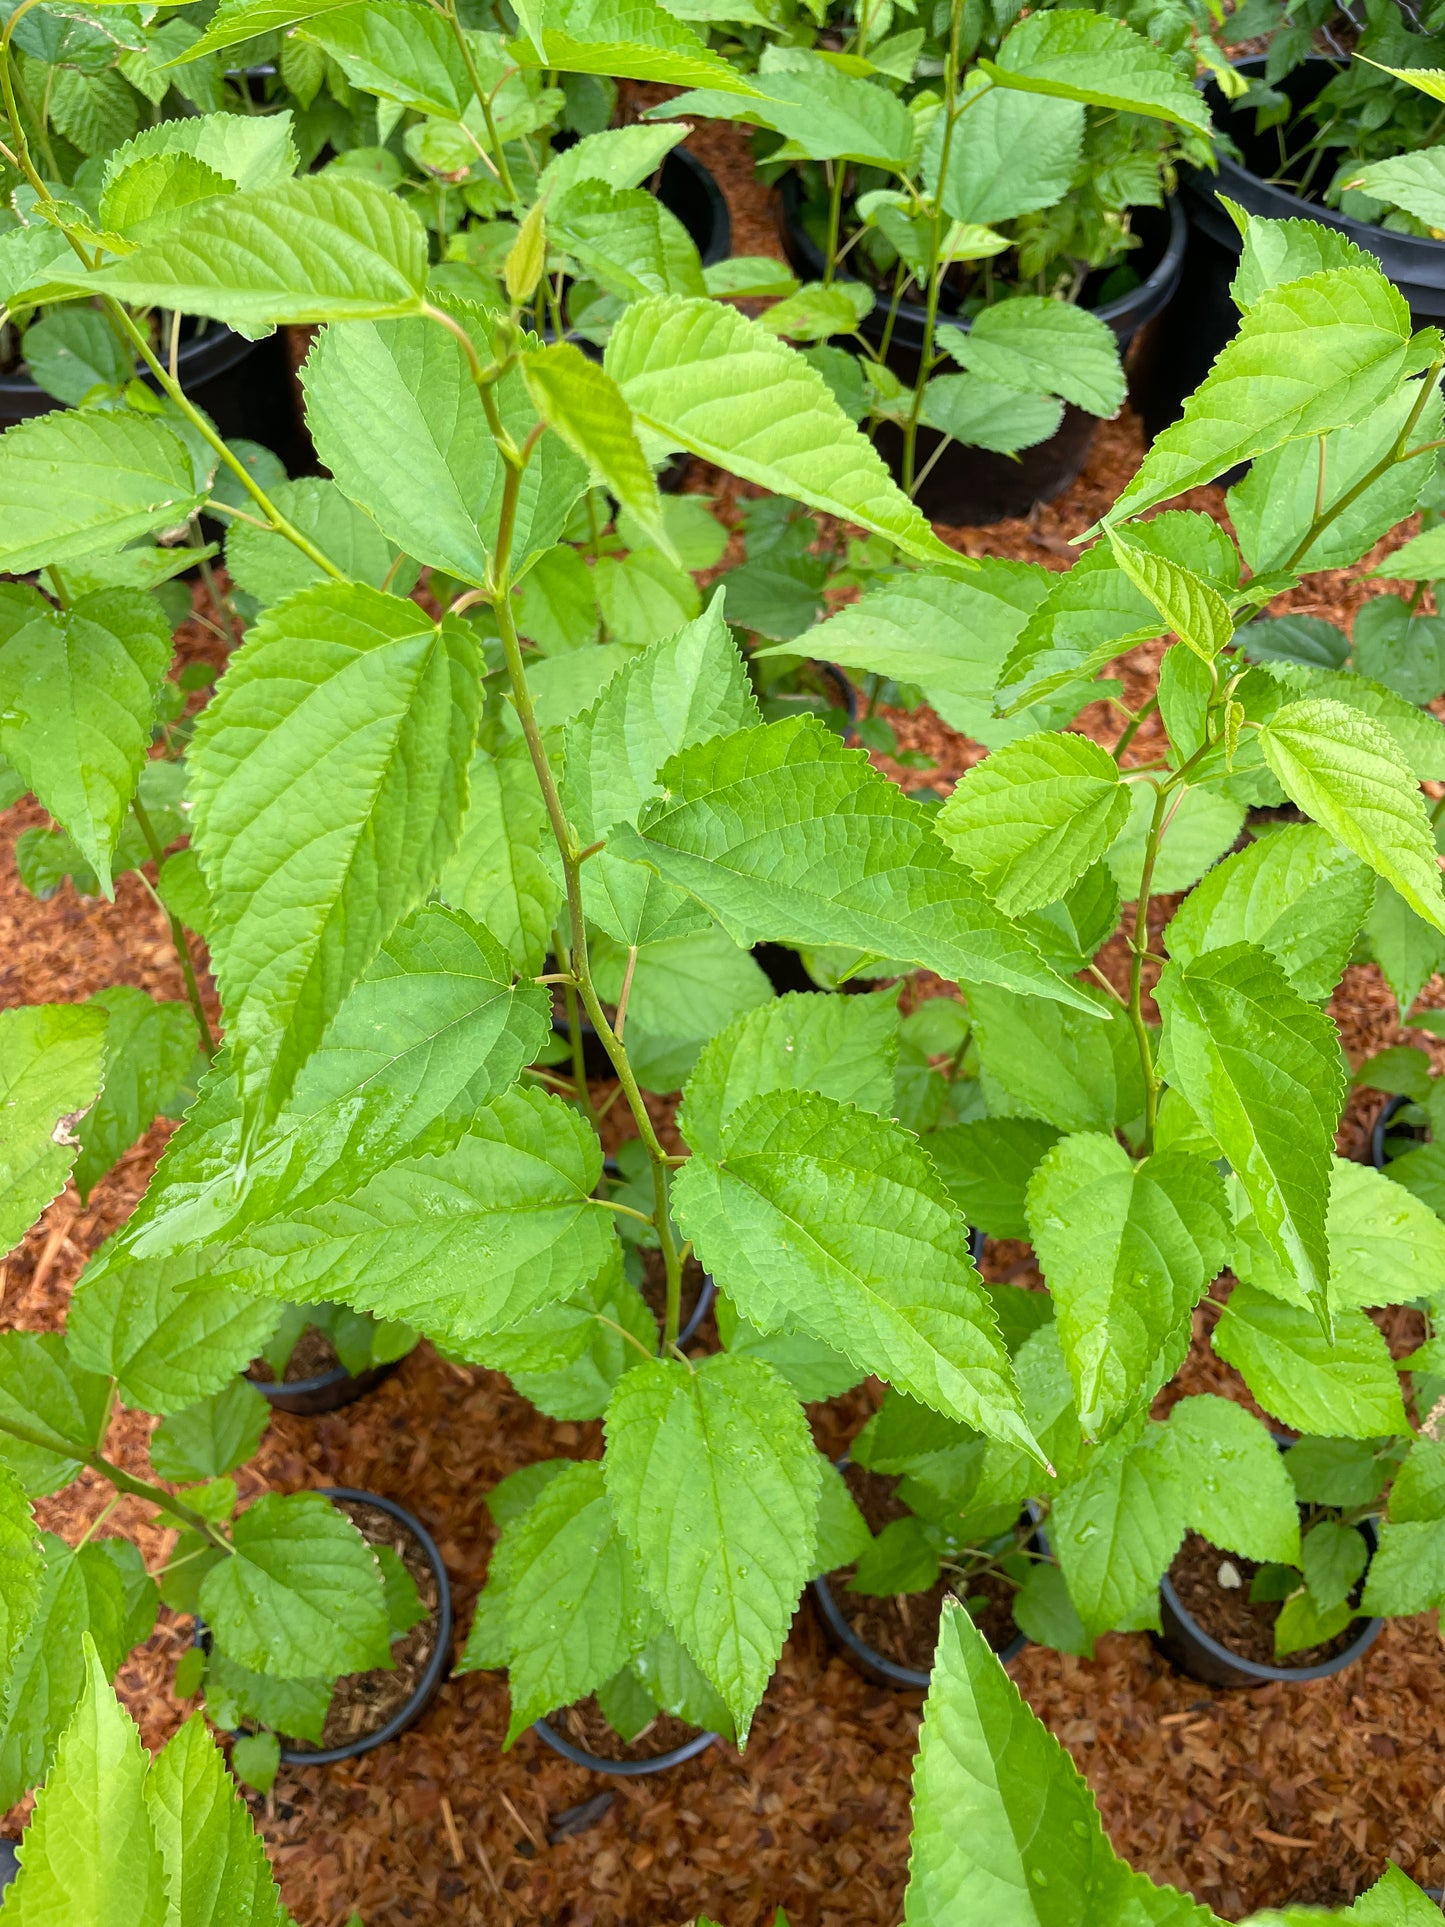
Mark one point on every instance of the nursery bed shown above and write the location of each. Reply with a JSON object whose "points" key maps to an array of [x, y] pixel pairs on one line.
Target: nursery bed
{"points": [[1246, 1800]]}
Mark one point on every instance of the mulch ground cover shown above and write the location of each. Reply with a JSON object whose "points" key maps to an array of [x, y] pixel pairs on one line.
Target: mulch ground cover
{"points": [[1296, 1791]]}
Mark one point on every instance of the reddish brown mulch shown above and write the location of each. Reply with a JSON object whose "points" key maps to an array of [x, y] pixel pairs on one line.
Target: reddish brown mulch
{"points": [[1246, 1799]]}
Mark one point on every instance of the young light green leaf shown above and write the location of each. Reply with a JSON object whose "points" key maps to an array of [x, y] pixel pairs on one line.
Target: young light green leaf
{"points": [[1031, 818], [1004, 1825], [786, 835], [217, 1873], [583, 404], [76, 480], [327, 247], [149, 1051], [620, 156], [348, 782], [1116, 1529], [1297, 894], [1128, 1251], [1310, 356], [577, 1609], [238, 20], [703, 377], [827, 1219], [60, 1409], [842, 1047], [989, 414], [1084, 619], [1261, 1069], [1275, 252], [249, 150], [89, 1856], [50, 1073], [1347, 772], [725, 1541], [1079, 55], [624, 239], [1342, 1388], [1192, 609], [1237, 1491], [300, 1594], [1386, 1245], [1037, 345]]}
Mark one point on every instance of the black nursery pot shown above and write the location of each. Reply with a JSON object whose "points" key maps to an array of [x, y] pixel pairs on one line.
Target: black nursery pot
{"points": [[1381, 1130], [1185, 1643], [9, 1863], [244, 386], [703, 1303], [866, 1659], [438, 1666], [975, 486], [327, 1392], [623, 1769], [1203, 319], [687, 189]]}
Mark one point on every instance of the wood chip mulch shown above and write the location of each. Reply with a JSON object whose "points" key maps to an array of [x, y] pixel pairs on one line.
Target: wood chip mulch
{"points": [[1249, 1799]]}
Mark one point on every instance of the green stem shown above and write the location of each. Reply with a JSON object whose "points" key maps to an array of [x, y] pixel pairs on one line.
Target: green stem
{"points": [[835, 218], [275, 519], [504, 173], [574, 1036], [1397, 453], [123, 1482], [500, 586], [1135, 723], [1139, 945], [178, 935]]}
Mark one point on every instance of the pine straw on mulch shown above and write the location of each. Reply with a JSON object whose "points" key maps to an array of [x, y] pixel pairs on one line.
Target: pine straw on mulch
{"points": [[1248, 1799]]}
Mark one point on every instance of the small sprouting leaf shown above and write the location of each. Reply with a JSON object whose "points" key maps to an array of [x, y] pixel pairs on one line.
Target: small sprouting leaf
{"points": [[300, 1594], [1261, 1069], [725, 1542], [350, 785], [1031, 818], [825, 1218], [1347, 772], [50, 1073]]}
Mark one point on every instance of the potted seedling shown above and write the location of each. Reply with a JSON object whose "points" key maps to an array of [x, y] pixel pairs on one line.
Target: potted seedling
{"points": [[321, 1357], [990, 224]]}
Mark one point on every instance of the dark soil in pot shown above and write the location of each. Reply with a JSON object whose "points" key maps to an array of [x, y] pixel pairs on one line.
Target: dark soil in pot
{"points": [[1216, 1633], [892, 1640], [315, 1380], [367, 1709], [975, 486], [1203, 317]]}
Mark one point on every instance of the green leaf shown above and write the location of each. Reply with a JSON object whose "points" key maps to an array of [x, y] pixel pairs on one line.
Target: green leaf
{"points": [[166, 1348], [1202, 827], [327, 247], [814, 1370], [725, 1541], [348, 782], [1237, 1489], [681, 691], [819, 1217], [620, 156], [249, 150], [1303, 1623], [1345, 1388], [1128, 1251], [61, 1409], [1407, 1573], [20, 1565], [270, 566], [988, 414], [577, 1610], [626, 241], [1075, 54], [702, 377], [841, 1046], [825, 112], [146, 200], [497, 873], [1083, 619], [625, 39], [1011, 154], [1418, 736], [986, 1166], [398, 52], [1261, 1069], [901, 1559], [1116, 1529], [256, 1758], [300, 1594], [1313, 355], [238, 20], [1037, 345], [81, 1592], [1342, 1472], [1347, 772], [1386, 1246], [1032, 817], [217, 1873], [1076, 1072], [211, 1438], [566, 1359], [1295, 893], [149, 1051], [89, 1856], [786, 835], [73, 350], [1405, 652], [1275, 252], [582, 403], [1334, 1557], [1190, 608], [75, 480], [1004, 1825], [673, 1682], [684, 990], [50, 1072], [1415, 182]]}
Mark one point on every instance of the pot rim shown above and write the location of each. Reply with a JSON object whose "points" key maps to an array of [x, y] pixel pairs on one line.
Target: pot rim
{"points": [[623, 1769], [273, 1390], [228, 348]]}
